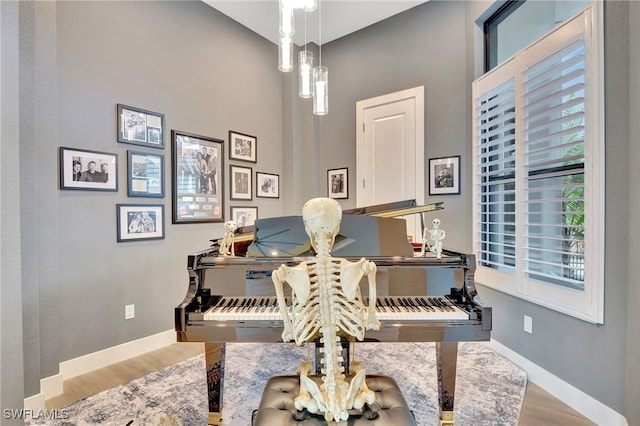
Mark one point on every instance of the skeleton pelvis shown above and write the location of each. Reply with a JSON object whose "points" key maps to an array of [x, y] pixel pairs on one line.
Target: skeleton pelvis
{"points": [[334, 398]]}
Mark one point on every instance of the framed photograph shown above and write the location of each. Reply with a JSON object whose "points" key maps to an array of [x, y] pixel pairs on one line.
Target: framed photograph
{"points": [[267, 185], [244, 216], [140, 127], [338, 183], [242, 147], [241, 183], [145, 174], [88, 170], [444, 175], [197, 175], [140, 222]]}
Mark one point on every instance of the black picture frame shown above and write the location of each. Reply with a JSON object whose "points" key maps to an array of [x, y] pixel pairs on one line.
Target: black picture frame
{"points": [[338, 183], [145, 174], [444, 175], [244, 215], [139, 126], [197, 174], [243, 147], [240, 182], [88, 170], [137, 222], [267, 185]]}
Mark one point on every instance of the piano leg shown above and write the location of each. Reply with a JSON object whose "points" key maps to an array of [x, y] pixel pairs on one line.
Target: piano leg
{"points": [[214, 362], [446, 357]]}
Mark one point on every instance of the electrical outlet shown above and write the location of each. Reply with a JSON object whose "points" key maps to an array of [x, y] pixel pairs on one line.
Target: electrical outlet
{"points": [[528, 324], [129, 312]]}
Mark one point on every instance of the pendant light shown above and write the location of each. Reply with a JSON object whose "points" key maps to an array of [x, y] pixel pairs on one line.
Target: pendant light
{"points": [[285, 54], [305, 65], [320, 77], [287, 26], [287, 29], [309, 5]]}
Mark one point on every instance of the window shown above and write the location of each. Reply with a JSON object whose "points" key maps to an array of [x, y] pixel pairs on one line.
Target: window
{"points": [[517, 23], [539, 171]]}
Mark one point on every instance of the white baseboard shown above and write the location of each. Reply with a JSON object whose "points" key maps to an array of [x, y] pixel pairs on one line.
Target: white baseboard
{"points": [[35, 403], [586, 405], [52, 386]]}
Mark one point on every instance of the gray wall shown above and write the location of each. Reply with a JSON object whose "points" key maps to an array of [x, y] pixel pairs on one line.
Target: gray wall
{"points": [[632, 389], [424, 46], [209, 75], [11, 334]]}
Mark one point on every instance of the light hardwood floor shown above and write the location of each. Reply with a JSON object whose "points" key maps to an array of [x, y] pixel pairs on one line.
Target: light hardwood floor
{"points": [[539, 408]]}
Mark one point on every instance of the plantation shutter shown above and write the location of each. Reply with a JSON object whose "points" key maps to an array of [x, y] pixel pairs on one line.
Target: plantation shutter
{"points": [[497, 173], [554, 149]]}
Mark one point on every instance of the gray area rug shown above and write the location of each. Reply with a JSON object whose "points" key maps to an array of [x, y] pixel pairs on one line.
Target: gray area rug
{"points": [[489, 388]]}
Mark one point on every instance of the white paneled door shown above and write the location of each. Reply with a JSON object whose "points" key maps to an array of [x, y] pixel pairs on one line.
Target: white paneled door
{"points": [[390, 151]]}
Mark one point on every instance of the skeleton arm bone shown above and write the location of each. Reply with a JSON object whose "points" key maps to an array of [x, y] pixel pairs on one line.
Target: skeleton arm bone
{"points": [[350, 278], [370, 269], [297, 278]]}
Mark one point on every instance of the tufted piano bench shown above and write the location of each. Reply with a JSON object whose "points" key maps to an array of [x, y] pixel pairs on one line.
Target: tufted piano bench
{"points": [[276, 406]]}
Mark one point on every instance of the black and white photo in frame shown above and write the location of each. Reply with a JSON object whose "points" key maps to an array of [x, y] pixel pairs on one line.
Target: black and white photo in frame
{"points": [[444, 175], [241, 182], [244, 216], [338, 183], [88, 170], [145, 174], [140, 127], [198, 178], [140, 222], [267, 185], [243, 147]]}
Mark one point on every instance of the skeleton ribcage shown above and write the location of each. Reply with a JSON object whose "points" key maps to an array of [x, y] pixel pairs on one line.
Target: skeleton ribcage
{"points": [[327, 302]]}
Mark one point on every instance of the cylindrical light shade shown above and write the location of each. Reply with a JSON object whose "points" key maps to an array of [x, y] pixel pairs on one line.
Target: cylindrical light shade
{"points": [[287, 26], [285, 54], [320, 90], [305, 62], [309, 5]]}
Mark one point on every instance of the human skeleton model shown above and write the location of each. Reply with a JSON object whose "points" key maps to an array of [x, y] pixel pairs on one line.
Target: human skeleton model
{"points": [[227, 246], [436, 235], [327, 302]]}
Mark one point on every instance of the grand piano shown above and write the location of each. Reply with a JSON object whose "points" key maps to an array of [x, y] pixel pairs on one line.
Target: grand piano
{"points": [[420, 298]]}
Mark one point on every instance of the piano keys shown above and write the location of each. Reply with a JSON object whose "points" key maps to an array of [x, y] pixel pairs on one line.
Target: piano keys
{"points": [[390, 310]]}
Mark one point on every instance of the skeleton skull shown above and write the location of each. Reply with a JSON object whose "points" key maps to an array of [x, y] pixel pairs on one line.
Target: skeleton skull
{"points": [[230, 226], [436, 223], [322, 217]]}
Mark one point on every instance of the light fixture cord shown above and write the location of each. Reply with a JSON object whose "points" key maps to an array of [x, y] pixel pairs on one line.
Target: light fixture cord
{"points": [[320, 30]]}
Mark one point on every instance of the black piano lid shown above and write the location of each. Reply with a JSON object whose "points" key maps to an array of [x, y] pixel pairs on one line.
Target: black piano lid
{"points": [[359, 235]]}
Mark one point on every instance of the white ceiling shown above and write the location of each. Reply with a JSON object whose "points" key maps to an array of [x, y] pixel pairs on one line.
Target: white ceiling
{"points": [[338, 17]]}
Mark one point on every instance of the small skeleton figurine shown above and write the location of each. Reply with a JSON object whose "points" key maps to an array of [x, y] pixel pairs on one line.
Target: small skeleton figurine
{"points": [[436, 235], [327, 302], [227, 245]]}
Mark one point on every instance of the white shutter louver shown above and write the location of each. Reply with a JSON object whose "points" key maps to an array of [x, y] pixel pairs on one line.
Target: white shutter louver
{"points": [[496, 181], [554, 142]]}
